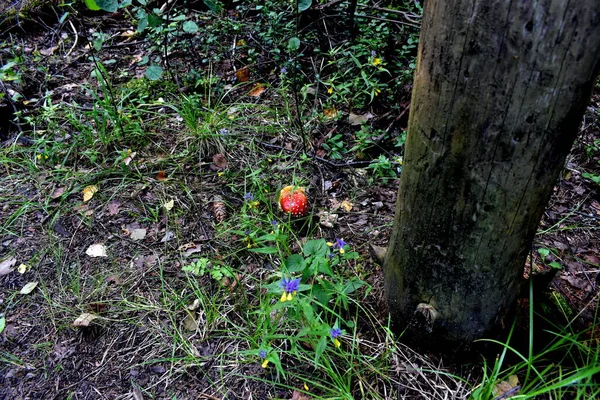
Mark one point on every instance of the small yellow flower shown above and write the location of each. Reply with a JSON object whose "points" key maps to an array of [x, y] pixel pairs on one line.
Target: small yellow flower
{"points": [[306, 387], [342, 251], [330, 90], [376, 61], [329, 244], [220, 173], [336, 343], [265, 363], [39, 156], [377, 91]]}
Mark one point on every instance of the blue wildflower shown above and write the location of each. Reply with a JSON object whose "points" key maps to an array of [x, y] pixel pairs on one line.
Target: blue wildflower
{"points": [[339, 244], [290, 288], [263, 354], [336, 332]]}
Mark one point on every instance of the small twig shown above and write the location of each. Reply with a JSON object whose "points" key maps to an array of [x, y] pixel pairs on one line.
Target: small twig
{"points": [[76, 39], [388, 20]]}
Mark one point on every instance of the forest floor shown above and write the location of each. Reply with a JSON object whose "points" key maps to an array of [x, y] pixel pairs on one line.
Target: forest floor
{"points": [[134, 244]]}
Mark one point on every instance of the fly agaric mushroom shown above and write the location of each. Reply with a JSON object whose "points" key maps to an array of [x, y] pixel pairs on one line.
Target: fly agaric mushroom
{"points": [[292, 200]]}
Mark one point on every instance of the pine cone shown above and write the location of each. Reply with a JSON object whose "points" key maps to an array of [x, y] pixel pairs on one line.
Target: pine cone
{"points": [[219, 209]]}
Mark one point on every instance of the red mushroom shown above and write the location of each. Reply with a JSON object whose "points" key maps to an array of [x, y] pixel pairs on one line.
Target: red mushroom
{"points": [[292, 200]]}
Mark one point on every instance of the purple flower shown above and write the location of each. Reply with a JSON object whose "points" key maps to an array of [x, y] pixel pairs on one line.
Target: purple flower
{"points": [[335, 332], [373, 53], [274, 223], [283, 70], [290, 287], [339, 243], [248, 196], [262, 354]]}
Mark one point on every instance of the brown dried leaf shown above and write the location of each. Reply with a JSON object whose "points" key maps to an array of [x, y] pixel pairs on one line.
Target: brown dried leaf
{"points": [[296, 395], [507, 389], [57, 193], [84, 319], [330, 113], [355, 119], [161, 176], [220, 161], [114, 207], [6, 266], [242, 74], [257, 90]]}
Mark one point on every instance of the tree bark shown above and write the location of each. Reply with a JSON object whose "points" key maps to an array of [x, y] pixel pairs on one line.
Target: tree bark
{"points": [[499, 91]]}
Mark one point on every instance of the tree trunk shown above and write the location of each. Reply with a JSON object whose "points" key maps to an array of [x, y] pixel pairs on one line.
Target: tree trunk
{"points": [[499, 91]]}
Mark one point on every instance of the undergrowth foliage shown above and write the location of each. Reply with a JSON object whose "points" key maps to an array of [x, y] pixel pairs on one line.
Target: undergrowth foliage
{"points": [[218, 108]]}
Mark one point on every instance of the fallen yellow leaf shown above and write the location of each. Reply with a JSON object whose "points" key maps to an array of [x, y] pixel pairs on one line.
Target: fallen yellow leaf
{"points": [[347, 205], [88, 192], [169, 204], [23, 268]]}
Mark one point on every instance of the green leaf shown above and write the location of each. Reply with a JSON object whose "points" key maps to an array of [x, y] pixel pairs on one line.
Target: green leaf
{"points": [[108, 5], [544, 253], [321, 295], [555, 264], [353, 285], [304, 5], [154, 72], [213, 6], [2, 324], [265, 250], [323, 267], [154, 20], [321, 346], [190, 27], [142, 23], [316, 247], [91, 4], [294, 44], [595, 178], [294, 263]]}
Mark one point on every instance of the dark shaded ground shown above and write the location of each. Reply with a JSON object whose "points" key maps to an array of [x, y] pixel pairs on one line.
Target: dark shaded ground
{"points": [[44, 357]]}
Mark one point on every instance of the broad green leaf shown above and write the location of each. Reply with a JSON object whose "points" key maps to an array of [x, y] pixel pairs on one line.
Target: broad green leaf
{"points": [[595, 178], [304, 5], [213, 6], [353, 285], [294, 263], [108, 5], [154, 72], [544, 253], [142, 23], [316, 247], [91, 4], [321, 295], [2, 324], [190, 27], [294, 44], [324, 267], [154, 20], [555, 264]]}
